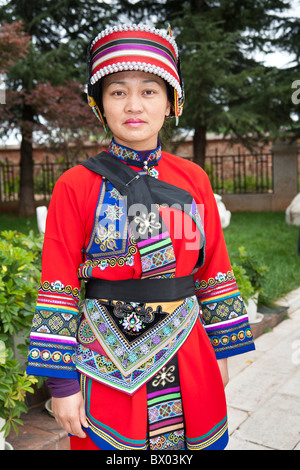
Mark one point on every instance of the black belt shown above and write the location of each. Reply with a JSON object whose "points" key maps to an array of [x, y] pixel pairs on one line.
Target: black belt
{"points": [[141, 290]]}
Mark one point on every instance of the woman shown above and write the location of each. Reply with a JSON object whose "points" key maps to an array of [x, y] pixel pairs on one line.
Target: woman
{"points": [[141, 363]]}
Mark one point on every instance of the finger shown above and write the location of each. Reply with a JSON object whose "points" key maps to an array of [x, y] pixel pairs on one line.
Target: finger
{"points": [[76, 430], [82, 417]]}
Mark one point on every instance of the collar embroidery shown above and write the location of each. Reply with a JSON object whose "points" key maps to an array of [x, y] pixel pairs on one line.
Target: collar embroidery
{"points": [[133, 157]]}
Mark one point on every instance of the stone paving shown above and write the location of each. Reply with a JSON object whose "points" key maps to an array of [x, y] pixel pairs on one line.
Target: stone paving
{"points": [[263, 394]]}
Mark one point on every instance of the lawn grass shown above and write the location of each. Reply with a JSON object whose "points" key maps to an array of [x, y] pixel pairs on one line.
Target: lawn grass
{"points": [[21, 224], [266, 236]]}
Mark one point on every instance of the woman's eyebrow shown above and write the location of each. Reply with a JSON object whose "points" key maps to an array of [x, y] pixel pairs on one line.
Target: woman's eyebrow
{"points": [[116, 82], [149, 80], [124, 82]]}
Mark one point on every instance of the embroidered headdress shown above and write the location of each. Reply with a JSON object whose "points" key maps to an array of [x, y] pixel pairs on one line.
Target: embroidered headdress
{"points": [[134, 47]]}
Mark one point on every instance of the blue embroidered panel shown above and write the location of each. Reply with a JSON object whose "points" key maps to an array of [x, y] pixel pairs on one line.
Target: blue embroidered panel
{"points": [[110, 230]]}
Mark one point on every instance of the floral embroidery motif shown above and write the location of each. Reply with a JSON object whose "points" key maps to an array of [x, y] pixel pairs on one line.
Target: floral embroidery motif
{"points": [[58, 286], [214, 281], [222, 310], [147, 223], [106, 237], [47, 355], [85, 333], [55, 322], [165, 375], [114, 193], [114, 212], [132, 322]]}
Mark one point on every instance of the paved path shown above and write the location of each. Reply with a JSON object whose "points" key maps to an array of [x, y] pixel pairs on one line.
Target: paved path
{"points": [[263, 394]]}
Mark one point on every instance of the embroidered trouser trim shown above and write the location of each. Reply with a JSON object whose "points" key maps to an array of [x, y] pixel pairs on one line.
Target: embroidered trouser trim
{"points": [[216, 438], [165, 412]]}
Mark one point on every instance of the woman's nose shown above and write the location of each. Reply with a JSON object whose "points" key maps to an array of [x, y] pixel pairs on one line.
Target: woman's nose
{"points": [[133, 103]]}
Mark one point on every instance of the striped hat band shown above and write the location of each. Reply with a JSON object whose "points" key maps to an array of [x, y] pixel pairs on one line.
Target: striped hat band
{"points": [[140, 48]]}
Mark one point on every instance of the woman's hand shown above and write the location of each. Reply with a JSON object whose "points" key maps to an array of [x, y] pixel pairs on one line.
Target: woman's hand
{"points": [[224, 371], [69, 412]]}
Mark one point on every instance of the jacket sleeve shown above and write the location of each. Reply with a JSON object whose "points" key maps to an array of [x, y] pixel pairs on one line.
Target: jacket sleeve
{"points": [[224, 315], [54, 327]]}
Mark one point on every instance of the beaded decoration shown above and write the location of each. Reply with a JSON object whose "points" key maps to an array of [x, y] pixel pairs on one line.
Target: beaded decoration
{"points": [[137, 48], [92, 103]]}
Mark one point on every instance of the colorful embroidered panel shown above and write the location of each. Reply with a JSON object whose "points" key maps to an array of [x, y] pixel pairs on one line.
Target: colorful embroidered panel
{"points": [[54, 329], [165, 413], [232, 337], [224, 315], [157, 256], [86, 268], [110, 231], [131, 156], [137, 339]]}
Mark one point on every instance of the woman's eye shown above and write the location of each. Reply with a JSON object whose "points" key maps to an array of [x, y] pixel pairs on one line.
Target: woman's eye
{"points": [[118, 93]]}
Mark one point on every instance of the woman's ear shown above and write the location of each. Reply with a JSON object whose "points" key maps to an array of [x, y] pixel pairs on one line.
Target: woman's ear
{"points": [[168, 110]]}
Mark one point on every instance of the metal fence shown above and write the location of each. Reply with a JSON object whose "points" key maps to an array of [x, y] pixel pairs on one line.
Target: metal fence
{"points": [[45, 176], [240, 173], [236, 174]]}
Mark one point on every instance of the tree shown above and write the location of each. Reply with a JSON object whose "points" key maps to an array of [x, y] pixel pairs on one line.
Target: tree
{"points": [[289, 41], [13, 44], [60, 32], [226, 90], [234, 94], [67, 121]]}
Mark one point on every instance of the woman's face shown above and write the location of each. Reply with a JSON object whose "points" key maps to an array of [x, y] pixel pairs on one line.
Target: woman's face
{"points": [[135, 105]]}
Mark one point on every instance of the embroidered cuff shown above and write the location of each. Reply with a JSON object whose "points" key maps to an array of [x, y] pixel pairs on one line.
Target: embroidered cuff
{"points": [[231, 337]]}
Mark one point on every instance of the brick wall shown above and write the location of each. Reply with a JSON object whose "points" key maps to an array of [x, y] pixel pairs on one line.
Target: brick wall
{"points": [[215, 144]]}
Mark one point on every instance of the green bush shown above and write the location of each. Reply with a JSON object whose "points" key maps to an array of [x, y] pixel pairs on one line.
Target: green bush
{"points": [[256, 272], [245, 287], [20, 261], [250, 275]]}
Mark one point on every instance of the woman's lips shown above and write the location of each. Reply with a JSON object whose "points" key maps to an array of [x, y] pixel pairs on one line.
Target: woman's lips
{"points": [[134, 122]]}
